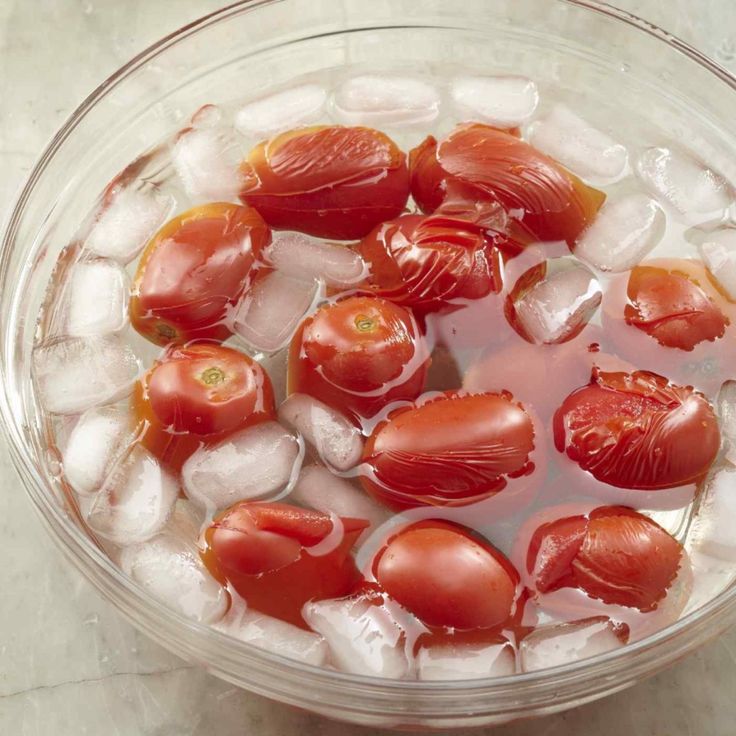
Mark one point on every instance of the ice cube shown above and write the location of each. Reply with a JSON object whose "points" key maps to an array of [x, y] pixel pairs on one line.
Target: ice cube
{"points": [[465, 661], [273, 635], [386, 100], [128, 222], [557, 644], [718, 252], [696, 193], [303, 258], [136, 499], [74, 374], [624, 231], [282, 111], [272, 309], [579, 146], [259, 462], [712, 531], [726, 410], [559, 305], [337, 440], [501, 101], [363, 638], [98, 439]]}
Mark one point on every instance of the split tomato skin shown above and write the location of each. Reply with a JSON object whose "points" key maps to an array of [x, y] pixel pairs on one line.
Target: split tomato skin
{"points": [[327, 181], [193, 270]]}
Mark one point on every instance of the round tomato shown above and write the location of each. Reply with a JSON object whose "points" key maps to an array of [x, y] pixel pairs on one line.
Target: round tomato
{"points": [[328, 181], [273, 555], [195, 268], [447, 576], [357, 355], [452, 449], [637, 430]]}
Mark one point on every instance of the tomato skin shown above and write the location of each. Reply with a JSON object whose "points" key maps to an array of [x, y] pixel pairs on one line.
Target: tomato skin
{"points": [[552, 549], [193, 269], [447, 576], [357, 355], [448, 450], [262, 550], [636, 430], [327, 181]]}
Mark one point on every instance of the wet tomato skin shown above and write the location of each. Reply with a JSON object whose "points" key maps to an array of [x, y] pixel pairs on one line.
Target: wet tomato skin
{"points": [[193, 269], [447, 576], [262, 550], [328, 181]]}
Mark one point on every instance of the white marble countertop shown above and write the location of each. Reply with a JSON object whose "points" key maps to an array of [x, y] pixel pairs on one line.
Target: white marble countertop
{"points": [[69, 664]]}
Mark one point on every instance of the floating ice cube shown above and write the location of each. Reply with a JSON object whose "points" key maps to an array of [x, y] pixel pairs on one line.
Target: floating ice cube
{"points": [[75, 374], [465, 661], [712, 532], [579, 146], [272, 309], [127, 223], [386, 100], [282, 111], [303, 258], [718, 252], [557, 644], [696, 193], [624, 231], [502, 101], [136, 499], [337, 440], [256, 463], [98, 439], [363, 638]]}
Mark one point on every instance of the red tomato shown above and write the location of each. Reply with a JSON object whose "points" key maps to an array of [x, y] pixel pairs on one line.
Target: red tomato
{"points": [[447, 576], [638, 430], [449, 450], [615, 555], [193, 270], [263, 551], [493, 165], [332, 182], [357, 355]]}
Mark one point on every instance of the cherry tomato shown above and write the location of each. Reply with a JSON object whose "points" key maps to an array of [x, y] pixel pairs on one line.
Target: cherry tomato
{"points": [[447, 576], [193, 270], [332, 182], [357, 355], [493, 165], [273, 555], [637, 430], [615, 555], [449, 450]]}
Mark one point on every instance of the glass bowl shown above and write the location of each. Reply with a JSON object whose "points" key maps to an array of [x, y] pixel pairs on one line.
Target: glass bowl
{"points": [[604, 54]]}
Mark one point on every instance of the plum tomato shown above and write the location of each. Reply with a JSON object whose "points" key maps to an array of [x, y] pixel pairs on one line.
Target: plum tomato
{"points": [[637, 430], [494, 165], [357, 355], [448, 450], [671, 307], [193, 269], [447, 576], [274, 556], [614, 554], [327, 181]]}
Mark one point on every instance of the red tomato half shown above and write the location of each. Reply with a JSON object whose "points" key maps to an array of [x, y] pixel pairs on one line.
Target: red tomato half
{"points": [[332, 182], [452, 449], [263, 551], [637, 430], [447, 576]]}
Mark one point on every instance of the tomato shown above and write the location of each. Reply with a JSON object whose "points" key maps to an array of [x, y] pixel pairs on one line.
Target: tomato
{"points": [[448, 450], [447, 576], [273, 554], [357, 355], [193, 269], [493, 165], [637, 430], [615, 555], [328, 181]]}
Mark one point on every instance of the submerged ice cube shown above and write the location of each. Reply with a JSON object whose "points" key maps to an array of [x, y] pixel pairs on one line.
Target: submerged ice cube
{"points": [[726, 411], [465, 661], [284, 110], [75, 374], [502, 101], [712, 530], [718, 252]]}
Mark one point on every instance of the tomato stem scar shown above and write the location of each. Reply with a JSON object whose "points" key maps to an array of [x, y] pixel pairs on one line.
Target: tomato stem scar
{"points": [[212, 376]]}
